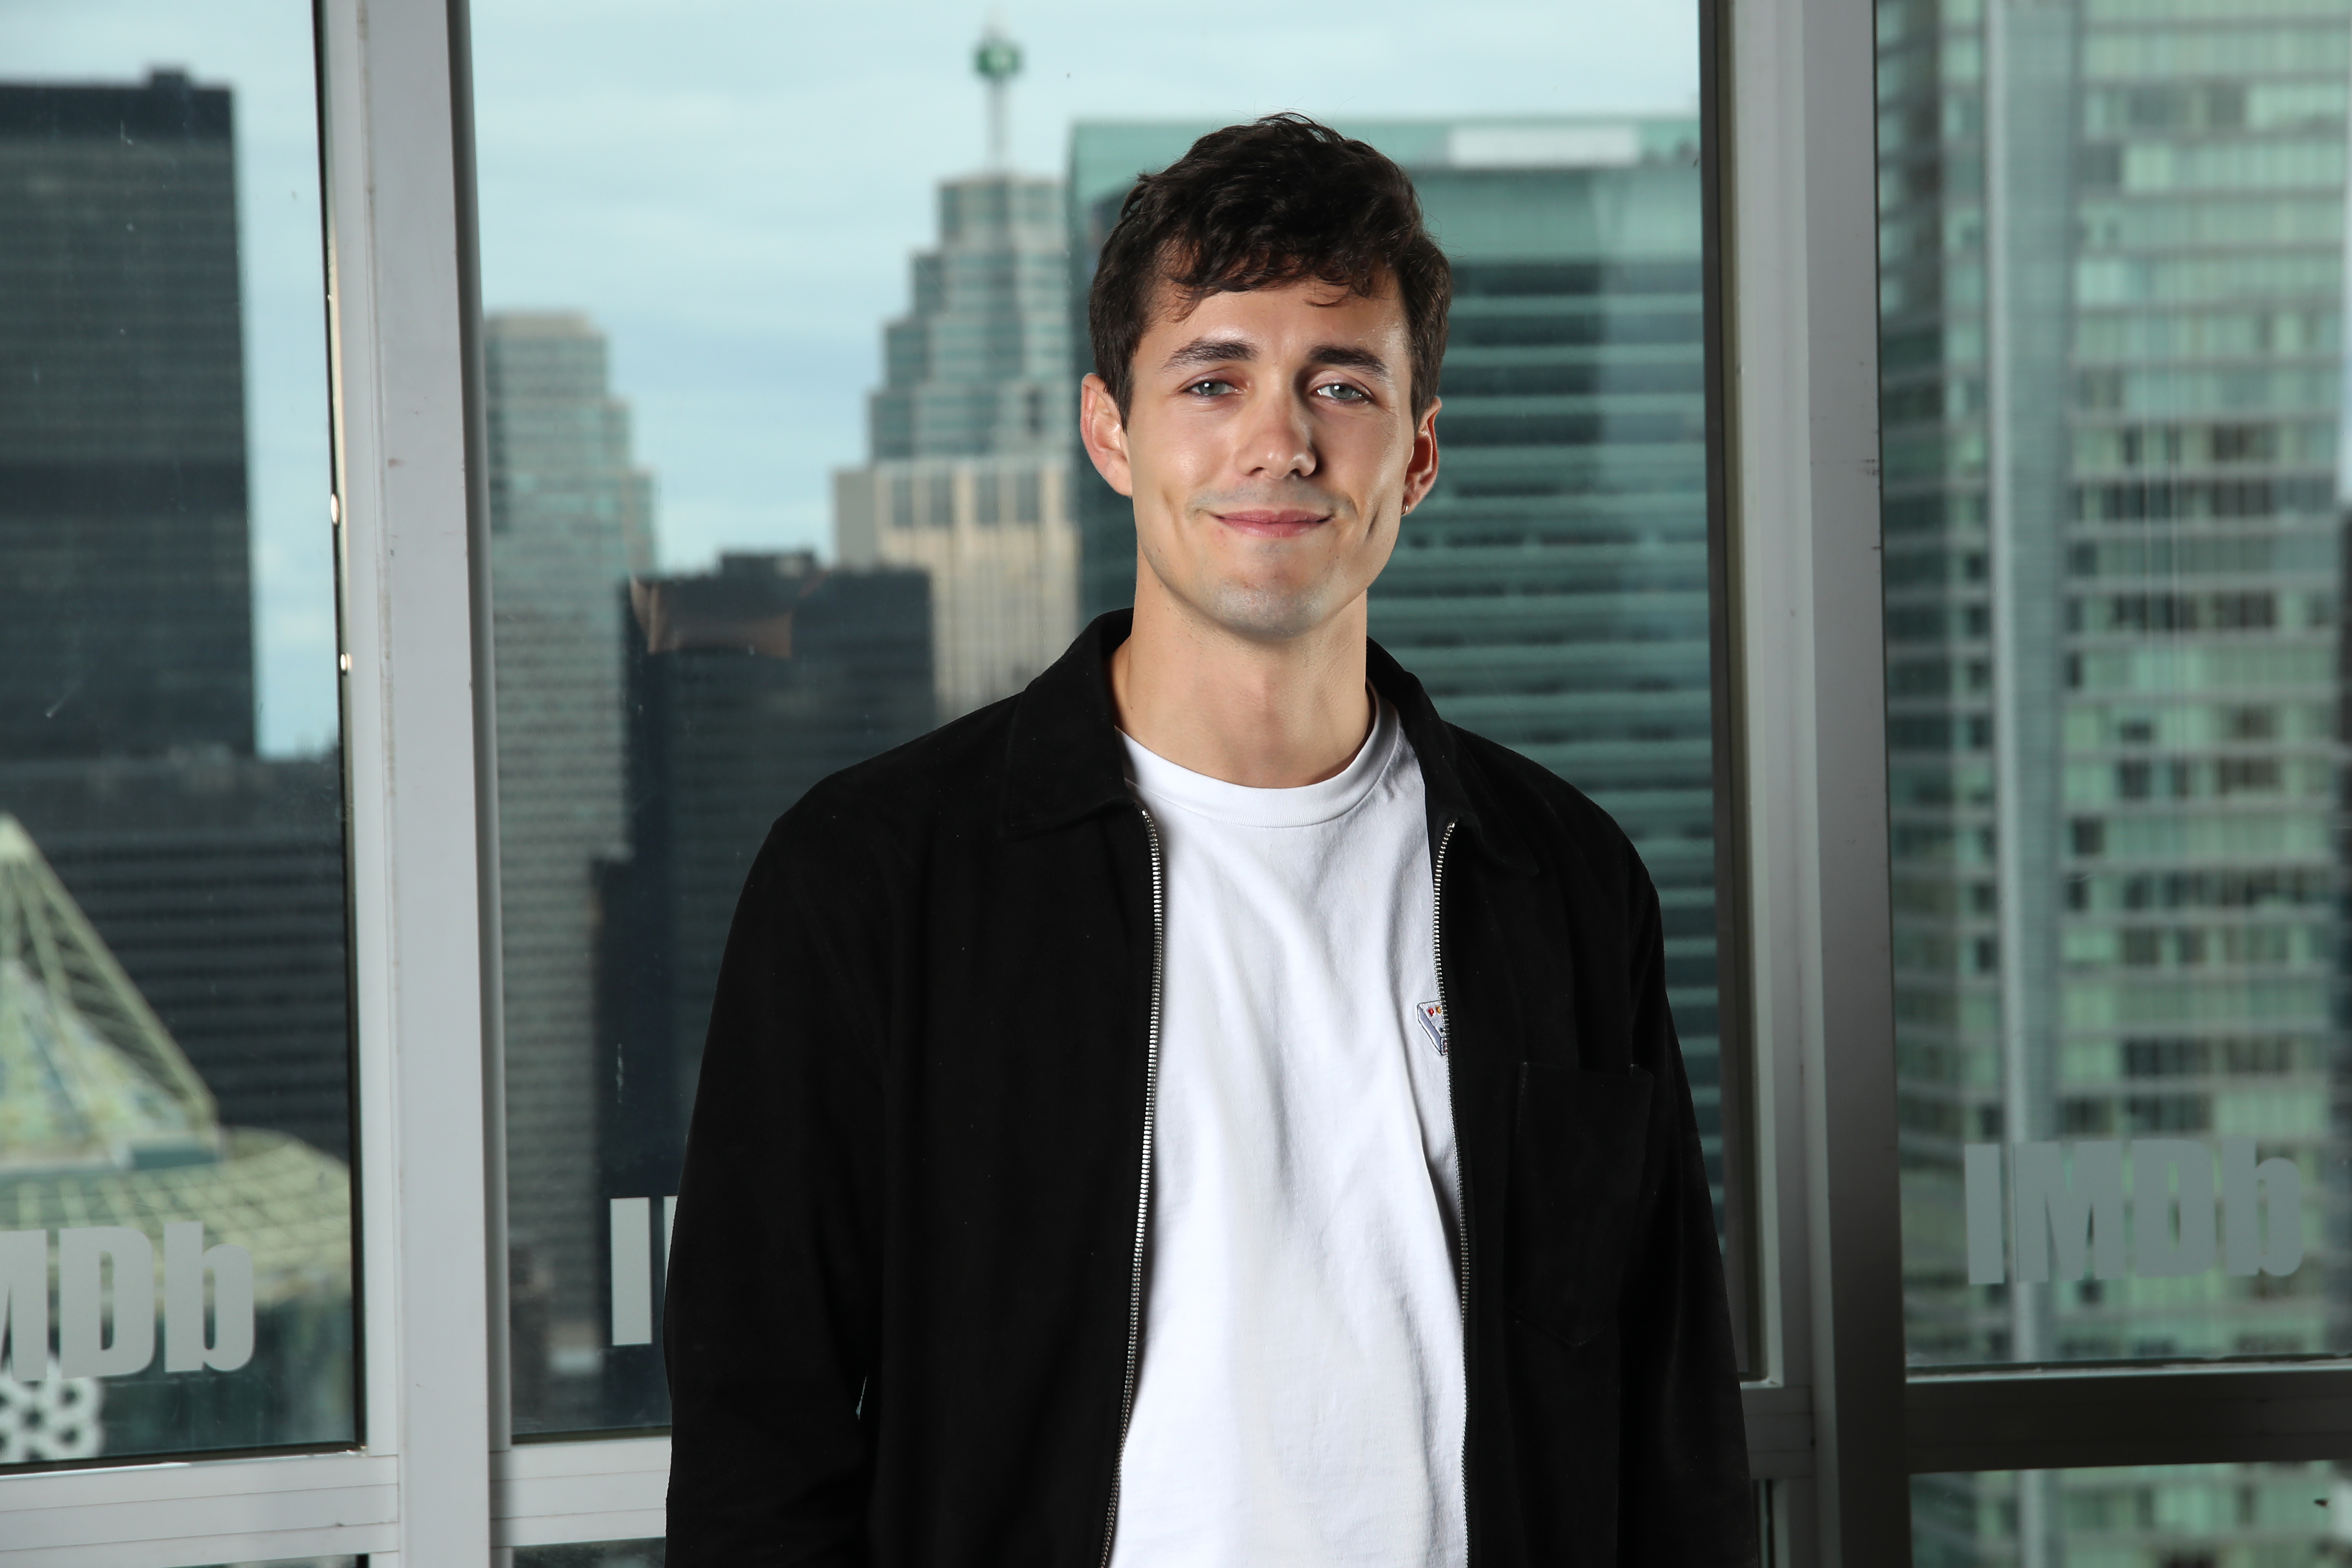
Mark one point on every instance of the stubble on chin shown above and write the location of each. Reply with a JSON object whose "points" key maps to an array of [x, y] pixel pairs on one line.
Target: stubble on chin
{"points": [[1267, 612], [1267, 606]]}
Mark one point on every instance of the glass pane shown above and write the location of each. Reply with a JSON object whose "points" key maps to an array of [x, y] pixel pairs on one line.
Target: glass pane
{"points": [[2112, 239], [596, 1554], [2148, 1516], [760, 510], [175, 1215]]}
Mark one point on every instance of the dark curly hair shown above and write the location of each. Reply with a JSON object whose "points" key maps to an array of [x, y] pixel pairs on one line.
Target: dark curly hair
{"points": [[1261, 207]]}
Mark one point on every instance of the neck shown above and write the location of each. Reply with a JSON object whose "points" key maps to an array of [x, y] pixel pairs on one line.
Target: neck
{"points": [[1267, 715]]}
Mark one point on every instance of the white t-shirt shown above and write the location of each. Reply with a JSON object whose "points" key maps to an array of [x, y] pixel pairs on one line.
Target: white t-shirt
{"points": [[1299, 1397]]}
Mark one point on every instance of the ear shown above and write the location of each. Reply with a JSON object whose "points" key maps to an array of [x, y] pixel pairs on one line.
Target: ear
{"points": [[1104, 431], [1421, 470]]}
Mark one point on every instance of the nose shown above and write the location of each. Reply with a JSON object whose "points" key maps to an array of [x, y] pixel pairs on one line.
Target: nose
{"points": [[1277, 437]]}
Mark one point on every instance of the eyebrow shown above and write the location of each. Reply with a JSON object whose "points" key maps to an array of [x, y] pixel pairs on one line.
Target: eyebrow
{"points": [[1201, 351]]}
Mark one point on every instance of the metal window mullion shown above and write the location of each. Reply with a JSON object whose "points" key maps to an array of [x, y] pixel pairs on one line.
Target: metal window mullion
{"points": [[2167, 1415], [551, 1494], [1802, 248], [395, 323], [213, 1510]]}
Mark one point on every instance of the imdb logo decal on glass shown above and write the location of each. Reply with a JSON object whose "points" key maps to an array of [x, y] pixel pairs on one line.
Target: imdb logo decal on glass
{"points": [[2068, 1202], [175, 1114]]}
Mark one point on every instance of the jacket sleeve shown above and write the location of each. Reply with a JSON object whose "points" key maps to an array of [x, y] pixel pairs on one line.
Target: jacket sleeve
{"points": [[1687, 1502], [769, 1323]]}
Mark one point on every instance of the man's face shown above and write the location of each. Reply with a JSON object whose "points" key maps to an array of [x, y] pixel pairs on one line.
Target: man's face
{"points": [[1271, 452]]}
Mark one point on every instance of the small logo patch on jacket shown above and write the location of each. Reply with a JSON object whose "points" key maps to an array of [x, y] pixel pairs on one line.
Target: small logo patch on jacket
{"points": [[1432, 1018]]}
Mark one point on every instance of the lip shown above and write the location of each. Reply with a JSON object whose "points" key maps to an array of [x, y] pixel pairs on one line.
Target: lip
{"points": [[1272, 522]]}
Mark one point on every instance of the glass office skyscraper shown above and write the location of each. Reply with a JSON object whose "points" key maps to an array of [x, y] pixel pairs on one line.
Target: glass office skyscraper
{"points": [[1551, 592], [2112, 236], [570, 520], [2111, 317], [126, 607]]}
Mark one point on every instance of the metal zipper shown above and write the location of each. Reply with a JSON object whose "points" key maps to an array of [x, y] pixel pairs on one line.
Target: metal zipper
{"points": [[1461, 1176], [1144, 1188]]}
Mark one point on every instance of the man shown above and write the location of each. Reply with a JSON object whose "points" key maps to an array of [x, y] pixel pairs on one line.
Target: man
{"points": [[1206, 1109]]}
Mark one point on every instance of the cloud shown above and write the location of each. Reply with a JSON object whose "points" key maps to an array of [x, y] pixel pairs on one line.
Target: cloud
{"points": [[731, 189]]}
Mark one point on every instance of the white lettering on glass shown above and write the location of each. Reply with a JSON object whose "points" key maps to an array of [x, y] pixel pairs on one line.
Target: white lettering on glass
{"points": [[187, 1264], [2077, 1215], [2264, 1206], [1981, 1164], [2159, 1251], [634, 1289], [633, 1272], [87, 1256], [106, 1308], [25, 1302], [2068, 1201]]}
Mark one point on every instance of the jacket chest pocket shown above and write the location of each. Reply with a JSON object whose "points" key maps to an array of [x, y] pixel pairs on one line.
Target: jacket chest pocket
{"points": [[1577, 1154]]}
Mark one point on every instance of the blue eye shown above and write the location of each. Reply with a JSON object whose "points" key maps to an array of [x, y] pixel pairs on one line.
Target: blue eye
{"points": [[1341, 392], [1212, 387]]}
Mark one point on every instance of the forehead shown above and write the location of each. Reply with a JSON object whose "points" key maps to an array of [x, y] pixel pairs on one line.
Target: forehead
{"points": [[1290, 314]]}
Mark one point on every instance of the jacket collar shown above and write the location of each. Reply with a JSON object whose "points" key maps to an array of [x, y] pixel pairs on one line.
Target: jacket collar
{"points": [[1065, 761]]}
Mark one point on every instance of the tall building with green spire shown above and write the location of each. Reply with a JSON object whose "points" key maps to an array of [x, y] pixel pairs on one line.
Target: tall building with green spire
{"points": [[967, 470]]}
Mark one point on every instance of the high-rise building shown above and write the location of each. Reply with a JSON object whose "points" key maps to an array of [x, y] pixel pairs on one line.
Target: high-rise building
{"points": [[994, 535], [969, 435], [2113, 565], [126, 613], [2112, 284], [745, 687], [125, 593], [571, 522], [1551, 592], [217, 881]]}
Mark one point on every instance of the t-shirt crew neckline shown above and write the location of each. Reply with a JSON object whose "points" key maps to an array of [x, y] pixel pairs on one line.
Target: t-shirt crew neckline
{"points": [[1303, 807]]}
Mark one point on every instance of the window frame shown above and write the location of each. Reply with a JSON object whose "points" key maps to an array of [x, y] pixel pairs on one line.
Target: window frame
{"points": [[417, 1487], [1835, 1425]]}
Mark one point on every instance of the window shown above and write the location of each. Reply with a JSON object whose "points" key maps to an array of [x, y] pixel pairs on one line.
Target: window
{"points": [[176, 1222], [2111, 274], [771, 501], [2028, 887], [2156, 1054], [2170, 1516]]}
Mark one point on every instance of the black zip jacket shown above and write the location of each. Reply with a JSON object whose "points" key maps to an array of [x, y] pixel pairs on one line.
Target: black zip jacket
{"points": [[904, 1281]]}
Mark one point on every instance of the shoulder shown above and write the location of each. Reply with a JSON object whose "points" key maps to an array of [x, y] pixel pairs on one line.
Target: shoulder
{"points": [[883, 811], [1550, 818]]}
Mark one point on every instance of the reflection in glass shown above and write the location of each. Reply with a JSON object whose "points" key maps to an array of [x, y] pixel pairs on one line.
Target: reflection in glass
{"points": [[176, 1224], [2112, 243], [595, 1554], [2159, 1516], [671, 677]]}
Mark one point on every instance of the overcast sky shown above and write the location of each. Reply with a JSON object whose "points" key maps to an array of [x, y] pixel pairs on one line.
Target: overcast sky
{"points": [[732, 188]]}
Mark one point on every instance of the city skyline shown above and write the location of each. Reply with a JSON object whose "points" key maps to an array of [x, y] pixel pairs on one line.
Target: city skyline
{"points": [[747, 381], [750, 383]]}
